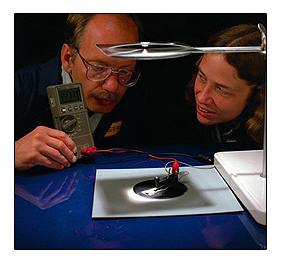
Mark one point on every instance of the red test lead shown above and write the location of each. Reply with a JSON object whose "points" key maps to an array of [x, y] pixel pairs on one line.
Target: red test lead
{"points": [[93, 150], [89, 151], [175, 168]]}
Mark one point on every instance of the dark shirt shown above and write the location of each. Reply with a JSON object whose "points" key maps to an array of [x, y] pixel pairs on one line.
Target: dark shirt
{"points": [[231, 136], [32, 107]]}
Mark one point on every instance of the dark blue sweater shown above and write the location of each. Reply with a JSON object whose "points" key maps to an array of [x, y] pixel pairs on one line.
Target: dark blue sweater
{"points": [[32, 107]]}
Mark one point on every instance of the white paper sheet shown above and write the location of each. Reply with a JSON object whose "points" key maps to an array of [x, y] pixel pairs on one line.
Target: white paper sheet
{"points": [[207, 193]]}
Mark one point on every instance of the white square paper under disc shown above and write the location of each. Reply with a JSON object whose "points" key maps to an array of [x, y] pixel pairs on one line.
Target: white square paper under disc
{"points": [[206, 193]]}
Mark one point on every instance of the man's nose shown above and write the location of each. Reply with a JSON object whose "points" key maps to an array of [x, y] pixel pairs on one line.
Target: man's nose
{"points": [[111, 84]]}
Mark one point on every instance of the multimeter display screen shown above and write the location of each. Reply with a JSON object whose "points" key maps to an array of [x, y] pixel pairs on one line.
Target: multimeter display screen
{"points": [[70, 95]]}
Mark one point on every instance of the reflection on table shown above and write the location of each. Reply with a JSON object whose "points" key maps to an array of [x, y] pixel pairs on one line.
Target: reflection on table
{"points": [[53, 211]]}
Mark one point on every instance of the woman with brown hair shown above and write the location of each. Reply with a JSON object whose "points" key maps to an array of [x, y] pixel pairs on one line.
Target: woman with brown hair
{"points": [[228, 90]]}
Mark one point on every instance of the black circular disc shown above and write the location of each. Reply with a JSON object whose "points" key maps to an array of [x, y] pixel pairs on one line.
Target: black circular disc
{"points": [[165, 189]]}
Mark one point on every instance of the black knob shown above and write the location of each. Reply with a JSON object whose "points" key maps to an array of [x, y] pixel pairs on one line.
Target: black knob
{"points": [[69, 123], [156, 181]]}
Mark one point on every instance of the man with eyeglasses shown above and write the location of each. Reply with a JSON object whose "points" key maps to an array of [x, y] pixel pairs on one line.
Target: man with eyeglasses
{"points": [[105, 81]]}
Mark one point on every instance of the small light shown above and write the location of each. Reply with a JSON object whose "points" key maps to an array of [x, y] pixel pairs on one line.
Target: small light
{"points": [[145, 44]]}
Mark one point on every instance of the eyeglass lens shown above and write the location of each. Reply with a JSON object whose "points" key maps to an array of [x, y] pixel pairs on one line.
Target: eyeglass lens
{"points": [[100, 73]]}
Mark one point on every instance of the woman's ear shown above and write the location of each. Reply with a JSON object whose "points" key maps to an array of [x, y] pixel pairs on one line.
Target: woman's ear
{"points": [[66, 58]]}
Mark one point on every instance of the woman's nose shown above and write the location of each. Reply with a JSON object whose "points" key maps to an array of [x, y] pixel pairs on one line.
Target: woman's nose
{"points": [[204, 95]]}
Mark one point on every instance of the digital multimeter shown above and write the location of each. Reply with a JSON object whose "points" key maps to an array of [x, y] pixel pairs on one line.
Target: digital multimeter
{"points": [[69, 113]]}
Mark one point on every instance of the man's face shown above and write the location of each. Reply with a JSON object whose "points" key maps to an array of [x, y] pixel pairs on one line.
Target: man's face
{"points": [[220, 94], [104, 95]]}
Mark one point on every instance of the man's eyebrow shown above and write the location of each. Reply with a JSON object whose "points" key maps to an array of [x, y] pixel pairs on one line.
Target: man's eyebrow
{"points": [[102, 62]]}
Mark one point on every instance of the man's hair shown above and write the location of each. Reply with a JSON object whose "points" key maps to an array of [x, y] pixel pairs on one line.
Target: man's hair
{"points": [[74, 28], [76, 24], [250, 67]]}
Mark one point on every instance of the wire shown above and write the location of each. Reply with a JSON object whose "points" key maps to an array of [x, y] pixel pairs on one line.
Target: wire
{"points": [[93, 150], [186, 164], [175, 163], [121, 150], [199, 157], [174, 168]]}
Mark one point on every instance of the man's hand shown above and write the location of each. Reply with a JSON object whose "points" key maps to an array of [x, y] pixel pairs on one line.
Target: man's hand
{"points": [[54, 192], [46, 147]]}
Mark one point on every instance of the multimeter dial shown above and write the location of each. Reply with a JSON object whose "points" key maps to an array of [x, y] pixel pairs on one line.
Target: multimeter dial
{"points": [[69, 123]]}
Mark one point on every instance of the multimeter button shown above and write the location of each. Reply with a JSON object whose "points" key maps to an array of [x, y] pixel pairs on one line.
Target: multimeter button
{"points": [[63, 110], [81, 106], [76, 107], [70, 108]]}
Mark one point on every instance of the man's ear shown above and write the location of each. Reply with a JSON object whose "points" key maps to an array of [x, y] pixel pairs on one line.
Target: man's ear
{"points": [[66, 58]]}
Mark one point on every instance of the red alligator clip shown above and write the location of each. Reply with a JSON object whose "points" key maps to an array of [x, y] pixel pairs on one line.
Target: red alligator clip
{"points": [[175, 168], [89, 151]]}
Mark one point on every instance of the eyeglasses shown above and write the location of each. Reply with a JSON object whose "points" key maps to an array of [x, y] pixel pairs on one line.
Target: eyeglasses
{"points": [[96, 73]]}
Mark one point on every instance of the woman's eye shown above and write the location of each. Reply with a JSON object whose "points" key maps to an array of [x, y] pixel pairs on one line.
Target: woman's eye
{"points": [[201, 76], [219, 88], [223, 91]]}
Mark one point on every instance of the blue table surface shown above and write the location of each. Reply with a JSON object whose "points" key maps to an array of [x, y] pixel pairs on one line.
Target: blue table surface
{"points": [[53, 211]]}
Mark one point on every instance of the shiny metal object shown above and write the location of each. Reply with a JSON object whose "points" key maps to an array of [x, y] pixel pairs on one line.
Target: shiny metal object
{"points": [[263, 38], [160, 50]]}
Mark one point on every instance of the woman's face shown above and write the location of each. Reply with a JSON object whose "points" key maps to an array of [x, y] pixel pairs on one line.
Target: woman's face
{"points": [[220, 94]]}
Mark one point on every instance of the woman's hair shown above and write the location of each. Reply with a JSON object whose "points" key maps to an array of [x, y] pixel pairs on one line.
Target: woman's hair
{"points": [[250, 67], [76, 24]]}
